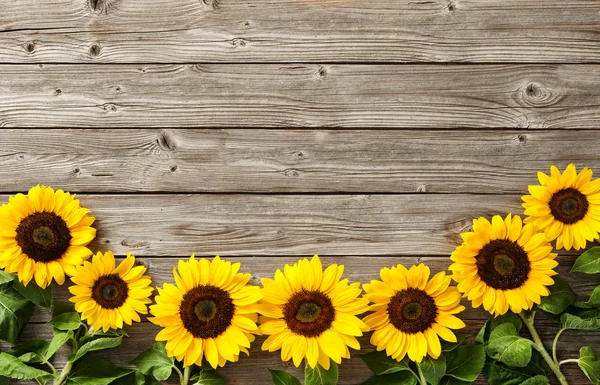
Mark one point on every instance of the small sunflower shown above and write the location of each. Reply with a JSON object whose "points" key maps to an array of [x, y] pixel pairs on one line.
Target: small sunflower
{"points": [[43, 235], [310, 314], [565, 206], [108, 296], [412, 312], [503, 264], [210, 314]]}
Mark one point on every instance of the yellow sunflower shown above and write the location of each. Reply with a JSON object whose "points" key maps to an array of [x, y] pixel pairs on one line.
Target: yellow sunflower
{"points": [[210, 314], [44, 234], [108, 296], [412, 312], [565, 206], [310, 314], [503, 264]]}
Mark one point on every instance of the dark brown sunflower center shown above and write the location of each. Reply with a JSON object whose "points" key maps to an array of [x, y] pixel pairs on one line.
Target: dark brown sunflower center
{"points": [[206, 311], [44, 237], [503, 264], [569, 205], [308, 313], [412, 310], [110, 291]]}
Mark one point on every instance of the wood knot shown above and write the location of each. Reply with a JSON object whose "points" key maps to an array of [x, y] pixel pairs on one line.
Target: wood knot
{"points": [[133, 245], [521, 138], [214, 4], [422, 188], [166, 141], [173, 168], [291, 172], [57, 92], [322, 72], [95, 49], [238, 42], [30, 47], [101, 6], [451, 7], [535, 94], [109, 107]]}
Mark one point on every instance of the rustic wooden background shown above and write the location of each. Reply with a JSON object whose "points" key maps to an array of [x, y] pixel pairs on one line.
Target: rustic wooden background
{"points": [[370, 132]]}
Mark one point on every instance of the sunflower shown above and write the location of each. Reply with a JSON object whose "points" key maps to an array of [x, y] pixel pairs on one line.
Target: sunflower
{"points": [[211, 313], [43, 235], [565, 206], [503, 264], [309, 313], [412, 312], [108, 296]]}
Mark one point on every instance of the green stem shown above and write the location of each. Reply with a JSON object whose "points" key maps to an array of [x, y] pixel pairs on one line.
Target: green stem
{"points": [[574, 360], [528, 318], [64, 374], [50, 366], [554, 345], [422, 379], [185, 379]]}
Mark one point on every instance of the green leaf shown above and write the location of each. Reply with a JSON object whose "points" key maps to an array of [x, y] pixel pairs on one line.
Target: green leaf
{"points": [[537, 380], [60, 338], [15, 311], [208, 377], [498, 373], [94, 345], [6, 277], [34, 293], [319, 376], [588, 262], [492, 323], [433, 370], [283, 378], [589, 362], [31, 352], [400, 378], [506, 346], [447, 380], [155, 362], [572, 321], [594, 300], [135, 378], [12, 367], [560, 298], [448, 346], [380, 363], [465, 362], [66, 321], [95, 371], [59, 308]]}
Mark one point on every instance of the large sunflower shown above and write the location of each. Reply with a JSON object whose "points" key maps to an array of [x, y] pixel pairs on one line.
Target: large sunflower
{"points": [[412, 312], [44, 234], [503, 264], [108, 296], [211, 313], [309, 313], [565, 206]]}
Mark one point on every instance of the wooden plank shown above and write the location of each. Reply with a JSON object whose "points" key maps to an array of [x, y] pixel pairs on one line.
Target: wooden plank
{"points": [[294, 225], [272, 161], [357, 269], [252, 370], [162, 31], [353, 96]]}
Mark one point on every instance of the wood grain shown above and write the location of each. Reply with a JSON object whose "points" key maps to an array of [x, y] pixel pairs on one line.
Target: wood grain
{"points": [[294, 225], [353, 96], [162, 31], [288, 161]]}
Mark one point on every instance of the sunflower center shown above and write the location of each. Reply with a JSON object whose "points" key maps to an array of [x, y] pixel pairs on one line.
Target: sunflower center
{"points": [[206, 311], [503, 264], [308, 313], [44, 237], [569, 205], [110, 291], [412, 310]]}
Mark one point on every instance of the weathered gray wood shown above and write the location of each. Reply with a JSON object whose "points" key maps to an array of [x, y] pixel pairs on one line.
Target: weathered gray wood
{"points": [[164, 31], [386, 96], [270, 161], [278, 225], [357, 269], [252, 370]]}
